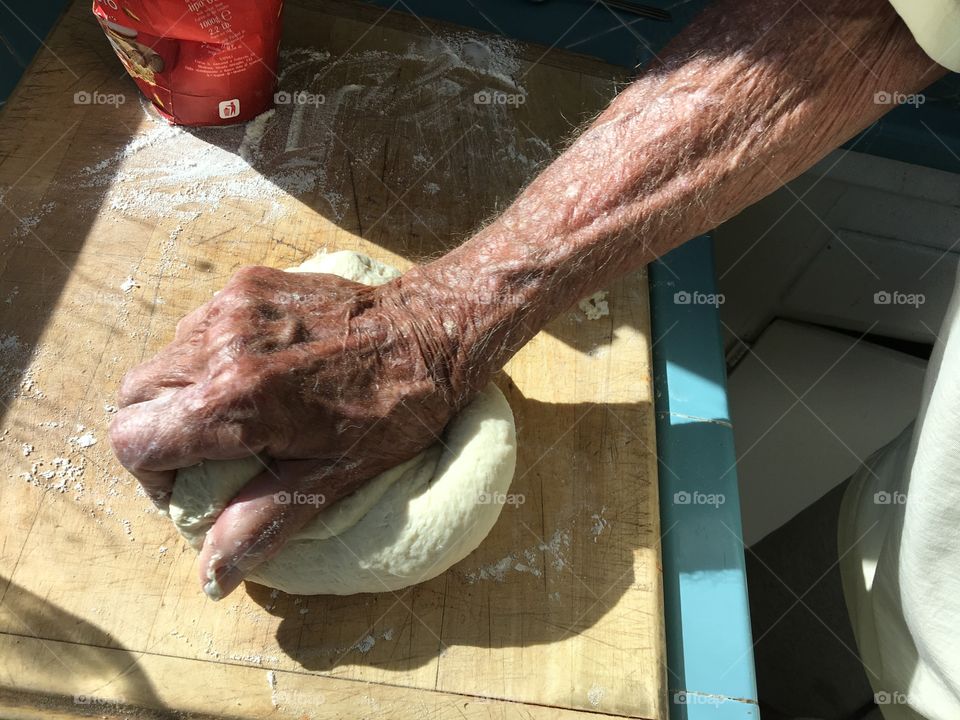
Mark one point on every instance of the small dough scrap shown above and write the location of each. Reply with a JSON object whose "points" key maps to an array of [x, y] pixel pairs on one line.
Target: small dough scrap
{"points": [[407, 525], [596, 306]]}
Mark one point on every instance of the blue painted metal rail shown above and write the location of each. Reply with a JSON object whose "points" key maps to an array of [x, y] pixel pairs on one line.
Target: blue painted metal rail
{"points": [[709, 641]]}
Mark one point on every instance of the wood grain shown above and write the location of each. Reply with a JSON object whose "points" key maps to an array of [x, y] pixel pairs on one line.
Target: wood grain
{"points": [[108, 240]]}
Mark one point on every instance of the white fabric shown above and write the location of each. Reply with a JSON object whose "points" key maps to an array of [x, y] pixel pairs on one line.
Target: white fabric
{"points": [[899, 528], [901, 579], [935, 25]]}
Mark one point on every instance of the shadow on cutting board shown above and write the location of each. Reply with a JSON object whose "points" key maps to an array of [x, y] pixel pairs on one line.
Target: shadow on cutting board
{"points": [[77, 656], [553, 567]]}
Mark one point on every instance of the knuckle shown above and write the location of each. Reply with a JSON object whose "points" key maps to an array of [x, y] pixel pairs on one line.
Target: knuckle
{"points": [[128, 385], [225, 399], [242, 273], [186, 324], [235, 410], [235, 302], [124, 439], [250, 275], [250, 434], [183, 326], [131, 385]]}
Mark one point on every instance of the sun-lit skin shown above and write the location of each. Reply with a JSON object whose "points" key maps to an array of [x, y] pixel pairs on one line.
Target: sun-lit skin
{"points": [[337, 382]]}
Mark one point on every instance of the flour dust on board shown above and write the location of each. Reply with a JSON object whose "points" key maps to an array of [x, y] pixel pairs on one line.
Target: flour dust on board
{"points": [[339, 123]]}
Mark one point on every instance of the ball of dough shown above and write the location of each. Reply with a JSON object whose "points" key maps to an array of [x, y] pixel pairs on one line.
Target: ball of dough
{"points": [[407, 525]]}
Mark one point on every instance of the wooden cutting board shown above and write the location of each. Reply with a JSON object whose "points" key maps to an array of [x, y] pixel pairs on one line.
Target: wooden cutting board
{"points": [[114, 225]]}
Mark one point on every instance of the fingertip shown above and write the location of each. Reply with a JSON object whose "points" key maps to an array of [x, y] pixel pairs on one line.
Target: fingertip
{"points": [[208, 559], [167, 372], [130, 391], [222, 581], [221, 573]]}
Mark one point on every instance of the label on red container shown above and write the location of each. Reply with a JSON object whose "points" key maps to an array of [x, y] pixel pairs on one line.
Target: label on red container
{"points": [[200, 62]]}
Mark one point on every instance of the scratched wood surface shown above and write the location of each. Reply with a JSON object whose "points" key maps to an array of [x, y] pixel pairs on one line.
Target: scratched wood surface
{"points": [[399, 138]]}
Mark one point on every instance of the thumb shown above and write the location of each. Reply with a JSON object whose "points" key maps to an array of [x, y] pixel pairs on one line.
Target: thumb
{"points": [[256, 525]]}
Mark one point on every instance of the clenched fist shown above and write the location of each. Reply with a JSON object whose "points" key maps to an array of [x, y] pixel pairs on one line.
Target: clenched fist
{"points": [[332, 380]]}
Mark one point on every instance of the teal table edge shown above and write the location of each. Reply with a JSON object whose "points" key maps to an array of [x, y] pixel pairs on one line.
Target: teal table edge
{"points": [[710, 670]]}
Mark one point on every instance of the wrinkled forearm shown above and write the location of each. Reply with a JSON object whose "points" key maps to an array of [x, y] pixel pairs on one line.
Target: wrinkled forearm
{"points": [[750, 95]]}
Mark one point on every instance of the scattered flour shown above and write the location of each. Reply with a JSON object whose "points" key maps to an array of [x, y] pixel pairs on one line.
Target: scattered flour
{"points": [[600, 523], [308, 147], [272, 684], [28, 224], [86, 440], [253, 135], [294, 702], [60, 475], [73, 469], [9, 343], [530, 560], [497, 571], [17, 367], [28, 385], [554, 548], [255, 659], [595, 695], [364, 645]]}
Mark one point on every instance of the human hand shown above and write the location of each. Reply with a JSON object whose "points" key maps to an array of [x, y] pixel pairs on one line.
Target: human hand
{"points": [[331, 380]]}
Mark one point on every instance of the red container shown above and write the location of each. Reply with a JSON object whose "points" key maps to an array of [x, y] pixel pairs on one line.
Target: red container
{"points": [[201, 62]]}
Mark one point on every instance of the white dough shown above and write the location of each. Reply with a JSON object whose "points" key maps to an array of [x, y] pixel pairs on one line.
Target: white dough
{"points": [[405, 526]]}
